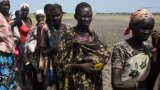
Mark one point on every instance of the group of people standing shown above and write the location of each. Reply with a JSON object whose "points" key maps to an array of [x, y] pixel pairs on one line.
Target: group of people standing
{"points": [[55, 56]]}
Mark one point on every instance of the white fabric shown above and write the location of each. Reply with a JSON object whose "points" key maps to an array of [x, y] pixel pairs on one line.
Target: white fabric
{"points": [[140, 63], [24, 5], [40, 12], [32, 45]]}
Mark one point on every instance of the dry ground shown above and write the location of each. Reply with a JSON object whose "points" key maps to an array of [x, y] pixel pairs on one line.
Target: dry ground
{"points": [[110, 29]]}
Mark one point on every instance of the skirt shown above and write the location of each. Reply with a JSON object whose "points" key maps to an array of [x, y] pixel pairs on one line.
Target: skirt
{"points": [[7, 74]]}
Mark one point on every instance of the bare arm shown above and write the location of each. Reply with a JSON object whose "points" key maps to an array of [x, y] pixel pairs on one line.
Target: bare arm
{"points": [[118, 84], [118, 61], [52, 50], [87, 67]]}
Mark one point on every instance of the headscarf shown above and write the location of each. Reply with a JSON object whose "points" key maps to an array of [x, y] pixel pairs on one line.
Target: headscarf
{"points": [[138, 16], [24, 5], [40, 11]]}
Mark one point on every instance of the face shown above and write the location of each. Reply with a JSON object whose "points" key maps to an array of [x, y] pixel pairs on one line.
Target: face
{"points": [[56, 16], [24, 11], [84, 17], [39, 17], [5, 6], [18, 14], [143, 30], [47, 12]]}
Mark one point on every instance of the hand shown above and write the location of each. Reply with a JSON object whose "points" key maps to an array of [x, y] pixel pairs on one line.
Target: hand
{"points": [[41, 65], [88, 67], [156, 39], [42, 22]]}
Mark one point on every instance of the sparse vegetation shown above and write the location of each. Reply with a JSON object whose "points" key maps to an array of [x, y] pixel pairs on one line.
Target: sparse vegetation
{"points": [[110, 29]]}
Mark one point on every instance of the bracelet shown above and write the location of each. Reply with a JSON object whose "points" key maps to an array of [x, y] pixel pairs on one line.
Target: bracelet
{"points": [[136, 84]]}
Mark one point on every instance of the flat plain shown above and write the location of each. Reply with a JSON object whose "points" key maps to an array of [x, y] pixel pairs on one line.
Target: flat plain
{"points": [[110, 29]]}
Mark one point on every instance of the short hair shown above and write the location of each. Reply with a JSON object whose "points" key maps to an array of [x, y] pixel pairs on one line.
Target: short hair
{"points": [[46, 7], [17, 12], [81, 5], [57, 7]]}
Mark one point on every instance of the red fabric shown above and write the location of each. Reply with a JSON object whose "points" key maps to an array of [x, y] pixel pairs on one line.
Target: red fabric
{"points": [[127, 31], [16, 52], [23, 30]]}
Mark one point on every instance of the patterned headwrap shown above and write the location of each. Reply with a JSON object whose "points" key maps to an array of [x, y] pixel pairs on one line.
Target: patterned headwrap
{"points": [[138, 16]]}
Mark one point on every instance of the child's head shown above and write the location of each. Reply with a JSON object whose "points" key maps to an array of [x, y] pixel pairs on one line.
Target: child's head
{"points": [[83, 14], [142, 24], [40, 16], [18, 14], [47, 9]]}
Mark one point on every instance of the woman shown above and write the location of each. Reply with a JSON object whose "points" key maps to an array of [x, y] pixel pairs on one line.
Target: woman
{"points": [[7, 74], [52, 34], [24, 25], [80, 55], [133, 61]]}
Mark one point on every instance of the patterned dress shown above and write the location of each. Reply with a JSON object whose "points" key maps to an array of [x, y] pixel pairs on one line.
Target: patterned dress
{"points": [[135, 65], [51, 36], [7, 74], [79, 49]]}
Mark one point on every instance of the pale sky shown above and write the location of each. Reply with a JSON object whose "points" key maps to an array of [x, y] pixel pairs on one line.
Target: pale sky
{"points": [[105, 6]]}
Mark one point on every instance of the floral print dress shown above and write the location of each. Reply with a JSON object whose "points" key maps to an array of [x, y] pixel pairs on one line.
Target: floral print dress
{"points": [[78, 49], [135, 65]]}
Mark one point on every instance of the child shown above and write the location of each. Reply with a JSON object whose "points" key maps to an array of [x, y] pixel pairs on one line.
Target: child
{"points": [[33, 51]]}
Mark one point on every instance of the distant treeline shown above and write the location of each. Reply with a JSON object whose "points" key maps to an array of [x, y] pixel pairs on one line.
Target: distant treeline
{"points": [[121, 13], [125, 13]]}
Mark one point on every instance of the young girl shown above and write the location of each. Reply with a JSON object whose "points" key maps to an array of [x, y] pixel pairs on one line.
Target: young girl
{"points": [[33, 51]]}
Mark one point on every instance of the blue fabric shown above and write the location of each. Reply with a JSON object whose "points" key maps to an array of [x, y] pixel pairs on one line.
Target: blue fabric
{"points": [[51, 74], [7, 74]]}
